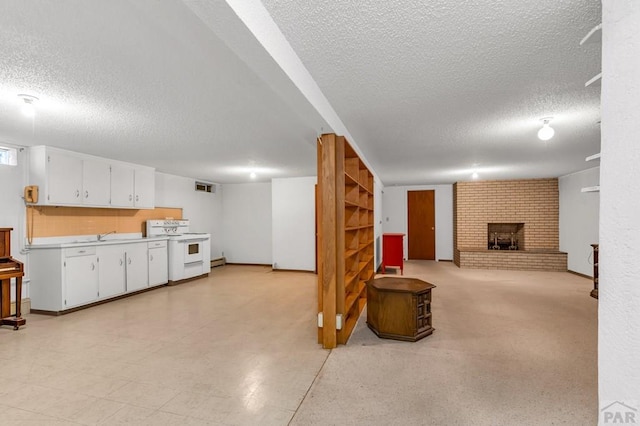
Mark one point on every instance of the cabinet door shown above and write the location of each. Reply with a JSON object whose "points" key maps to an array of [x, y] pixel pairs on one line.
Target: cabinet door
{"points": [[137, 266], [81, 280], [121, 185], [96, 183], [64, 179], [144, 184], [158, 266], [111, 271]]}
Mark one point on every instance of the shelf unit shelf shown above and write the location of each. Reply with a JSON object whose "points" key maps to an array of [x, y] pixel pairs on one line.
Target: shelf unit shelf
{"points": [[593, 36], [591, 189], [593, 157], [345, 238], [594, 81]]}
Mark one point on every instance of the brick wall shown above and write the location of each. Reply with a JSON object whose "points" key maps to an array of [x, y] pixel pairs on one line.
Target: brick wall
{"points": [[533, 202]]}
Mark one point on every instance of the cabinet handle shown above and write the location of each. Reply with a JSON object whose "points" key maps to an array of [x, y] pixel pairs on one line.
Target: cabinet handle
{"points": [[130, 197], [82, 251], [86, 194], [120, 262], [93, 266], [137, 198], [151, 257], [129, 259], [77, 193]]}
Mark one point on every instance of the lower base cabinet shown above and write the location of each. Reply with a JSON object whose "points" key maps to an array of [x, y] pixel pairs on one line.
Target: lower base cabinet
{"points": [[111, 274], [68, 278], [137, 266], [80, 272], [158, 263]]}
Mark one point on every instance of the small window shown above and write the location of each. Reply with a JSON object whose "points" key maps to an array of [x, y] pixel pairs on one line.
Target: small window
{"points": [[8, 156]]}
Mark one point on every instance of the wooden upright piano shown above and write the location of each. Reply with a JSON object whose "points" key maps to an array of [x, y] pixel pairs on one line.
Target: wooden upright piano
{"points": [[9, 268]]}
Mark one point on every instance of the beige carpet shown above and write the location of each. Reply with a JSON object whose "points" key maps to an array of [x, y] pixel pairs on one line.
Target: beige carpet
{"points": [[239, 348], [510, 348]]}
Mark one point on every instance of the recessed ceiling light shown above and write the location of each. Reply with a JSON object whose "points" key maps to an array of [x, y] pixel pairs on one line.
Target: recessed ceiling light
{"points": [[547, 131], [474, 175], [252, 175], [29, 107]]}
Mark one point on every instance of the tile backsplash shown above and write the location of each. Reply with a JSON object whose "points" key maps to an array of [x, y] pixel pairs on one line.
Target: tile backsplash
{"points": [[60, 221]]}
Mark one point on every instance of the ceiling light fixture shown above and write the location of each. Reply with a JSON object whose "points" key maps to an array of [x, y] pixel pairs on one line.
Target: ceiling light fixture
{"points": [[29, 107], [474, 175], [547, 131], [252, 175]]}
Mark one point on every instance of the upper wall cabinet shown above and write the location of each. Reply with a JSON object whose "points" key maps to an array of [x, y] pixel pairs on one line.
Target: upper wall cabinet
{"points": [[67, 178], [132, 186]]}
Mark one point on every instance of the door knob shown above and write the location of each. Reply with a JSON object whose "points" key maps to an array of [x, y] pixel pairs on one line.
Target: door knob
{"points": [[433, 228]]}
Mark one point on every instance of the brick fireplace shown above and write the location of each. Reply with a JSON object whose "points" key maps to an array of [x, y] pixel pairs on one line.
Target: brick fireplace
{"points": [[507, 225]]}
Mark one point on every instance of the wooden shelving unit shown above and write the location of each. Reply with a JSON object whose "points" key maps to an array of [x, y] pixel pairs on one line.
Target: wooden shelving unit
{"points": [[345, 238], [593, 36]]}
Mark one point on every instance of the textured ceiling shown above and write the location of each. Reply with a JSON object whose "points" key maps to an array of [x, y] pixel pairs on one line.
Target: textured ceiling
{"points": [[431, 91], [149, 82]]}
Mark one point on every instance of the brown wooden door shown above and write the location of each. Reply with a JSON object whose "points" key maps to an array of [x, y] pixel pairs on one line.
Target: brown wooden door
{"points": [[421, 224]]}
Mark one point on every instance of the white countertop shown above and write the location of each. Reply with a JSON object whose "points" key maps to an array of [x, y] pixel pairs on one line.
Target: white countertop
{"points": [[90, 240]]}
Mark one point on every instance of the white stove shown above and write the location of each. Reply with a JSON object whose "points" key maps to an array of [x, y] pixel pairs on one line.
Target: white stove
{"points": [[189, 253]]}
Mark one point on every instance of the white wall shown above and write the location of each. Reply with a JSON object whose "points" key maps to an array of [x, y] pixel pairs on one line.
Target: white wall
{"points": [[394, 215], [203, 209], [246, 215], [619, 283], [377, 219], [293, 217], [579, 217], [12, 210]]}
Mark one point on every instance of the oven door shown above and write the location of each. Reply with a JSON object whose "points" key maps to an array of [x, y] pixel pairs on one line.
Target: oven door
{"points": [[193, 251]]}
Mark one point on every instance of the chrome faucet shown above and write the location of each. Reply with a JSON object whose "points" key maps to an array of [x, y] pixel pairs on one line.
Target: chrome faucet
{"points": [[101, 236]]}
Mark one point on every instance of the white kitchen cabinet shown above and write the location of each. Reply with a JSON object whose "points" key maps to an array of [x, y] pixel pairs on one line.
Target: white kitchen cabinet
{"points": [[158, 263], [111, 268], [60, 178], [65, 278], [80, 277], [145, 191], [96, 183], [68, 178], [132, 186], [122, 189], [137, 266]]}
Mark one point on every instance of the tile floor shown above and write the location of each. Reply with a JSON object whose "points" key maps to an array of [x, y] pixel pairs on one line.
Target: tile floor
{"points": [[239, 348]]}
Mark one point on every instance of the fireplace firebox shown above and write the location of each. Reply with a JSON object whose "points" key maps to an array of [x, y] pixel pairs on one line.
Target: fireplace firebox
{"points": [[505, 236]]}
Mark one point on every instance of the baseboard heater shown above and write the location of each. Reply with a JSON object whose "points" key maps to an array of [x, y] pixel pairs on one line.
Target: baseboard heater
{"points": [[219, 262]]}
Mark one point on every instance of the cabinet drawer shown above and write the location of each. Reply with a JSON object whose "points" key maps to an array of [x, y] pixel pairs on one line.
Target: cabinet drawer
{"points": [[156, 244], [79, 251]]}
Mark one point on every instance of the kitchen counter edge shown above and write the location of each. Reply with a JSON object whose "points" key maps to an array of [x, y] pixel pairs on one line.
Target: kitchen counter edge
{"points": [[96, 243]]}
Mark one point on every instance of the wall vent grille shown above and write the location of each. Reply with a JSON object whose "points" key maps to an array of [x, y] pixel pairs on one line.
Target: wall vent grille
{"points": [[205, 187]]}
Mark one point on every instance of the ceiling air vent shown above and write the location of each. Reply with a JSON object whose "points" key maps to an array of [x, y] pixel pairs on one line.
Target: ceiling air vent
{"points": [[205, 187]]}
